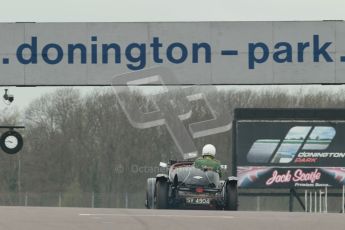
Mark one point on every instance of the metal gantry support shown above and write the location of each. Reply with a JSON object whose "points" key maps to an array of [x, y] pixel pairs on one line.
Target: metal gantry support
{"points": [[343, 200], [294, 194]]}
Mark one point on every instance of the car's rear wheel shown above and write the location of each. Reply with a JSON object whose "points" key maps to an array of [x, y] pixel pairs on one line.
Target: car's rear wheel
{"points": [[150, 193], [231, 196], [162, 190]]}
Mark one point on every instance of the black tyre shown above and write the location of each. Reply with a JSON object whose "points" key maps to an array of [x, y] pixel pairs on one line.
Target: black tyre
{"points": [[150, 193], [231, 196], [162, 190]]}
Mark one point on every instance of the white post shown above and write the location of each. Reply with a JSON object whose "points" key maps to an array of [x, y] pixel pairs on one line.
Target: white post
{"points": [[258, 203], [19, 175], [126, 200], [320, 201], [93, 200], [60, 199], [305, 200], [26, 199]]}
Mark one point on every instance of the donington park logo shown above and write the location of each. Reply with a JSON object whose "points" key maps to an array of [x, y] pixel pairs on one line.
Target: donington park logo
{"points": [[299, 138]]}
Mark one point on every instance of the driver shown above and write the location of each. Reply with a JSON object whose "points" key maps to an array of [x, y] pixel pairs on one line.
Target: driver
{"points": [[208, 161]]}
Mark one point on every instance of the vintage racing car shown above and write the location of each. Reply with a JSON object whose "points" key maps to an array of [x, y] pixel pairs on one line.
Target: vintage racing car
{"points": [[188, 187]]}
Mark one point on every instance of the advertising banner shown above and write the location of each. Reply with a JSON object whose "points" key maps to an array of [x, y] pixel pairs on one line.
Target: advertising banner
{"points": [[197, 52], [288, 177], [290, 153]]}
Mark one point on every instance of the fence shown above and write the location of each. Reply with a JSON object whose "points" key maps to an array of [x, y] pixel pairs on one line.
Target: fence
{"points": [[87, 199], [315, 200], [331, 200]]}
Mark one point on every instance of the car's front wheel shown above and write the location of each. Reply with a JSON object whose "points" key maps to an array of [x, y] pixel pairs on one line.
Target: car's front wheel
{"points": [[162, 190]]}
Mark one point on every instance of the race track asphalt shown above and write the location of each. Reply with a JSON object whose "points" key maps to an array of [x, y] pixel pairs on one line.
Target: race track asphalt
{"points": [[44, 218]]}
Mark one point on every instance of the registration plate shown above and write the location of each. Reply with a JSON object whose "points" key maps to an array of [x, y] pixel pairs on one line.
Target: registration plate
{"points": [[191, 200]]}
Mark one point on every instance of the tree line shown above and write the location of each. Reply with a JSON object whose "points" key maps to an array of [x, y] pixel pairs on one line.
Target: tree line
{"points": [[77, 143]]}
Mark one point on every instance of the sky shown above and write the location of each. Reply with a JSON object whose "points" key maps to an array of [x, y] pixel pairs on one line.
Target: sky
{"points": [[168, 10], [158, 10]]}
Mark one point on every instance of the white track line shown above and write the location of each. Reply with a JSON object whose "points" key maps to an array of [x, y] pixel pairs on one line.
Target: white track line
{"points": [[153, 215]]}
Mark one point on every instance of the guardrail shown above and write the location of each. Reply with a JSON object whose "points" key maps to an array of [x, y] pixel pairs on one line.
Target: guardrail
{"points": [[322, 200], [317, 200], [249, 200]]}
